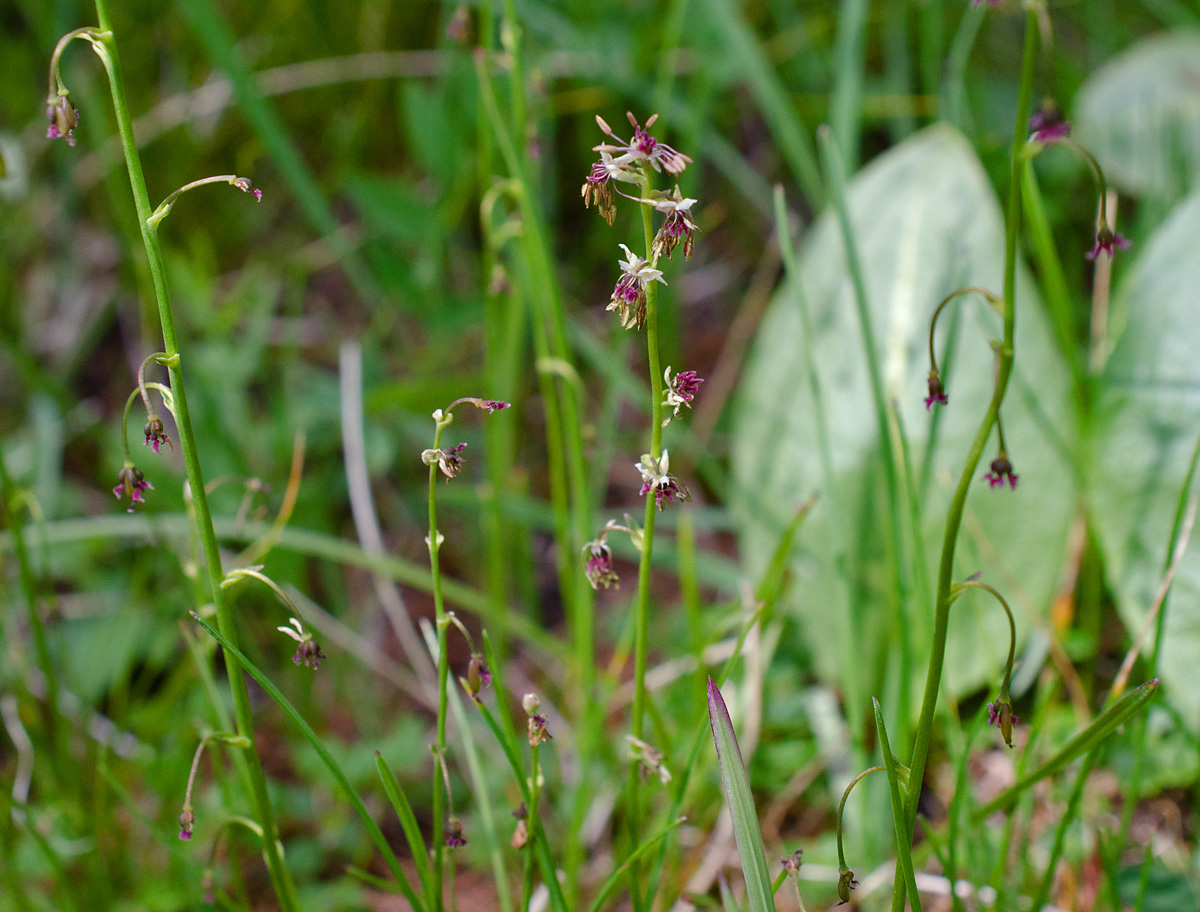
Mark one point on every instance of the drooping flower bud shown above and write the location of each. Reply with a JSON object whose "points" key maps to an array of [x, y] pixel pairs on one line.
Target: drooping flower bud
{"points": [[63, 118]]}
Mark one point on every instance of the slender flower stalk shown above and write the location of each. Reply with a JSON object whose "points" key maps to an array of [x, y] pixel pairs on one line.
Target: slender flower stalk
{"points": [[104, 43], [937, 391], [943, 597], [448, 463], [642, 605]]}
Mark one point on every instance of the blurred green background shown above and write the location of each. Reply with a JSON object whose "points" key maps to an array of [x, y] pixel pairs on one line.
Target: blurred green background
{"points": [[385, 239]]}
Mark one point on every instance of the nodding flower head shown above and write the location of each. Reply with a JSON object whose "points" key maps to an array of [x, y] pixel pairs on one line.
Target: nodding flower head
{"points": [[937, 392], [449, 461], [1001, 469], [1000, 714], [792, 863], [63, 118], [1047, 124], [244, 184], [187, 823], [455, 838], [1107, 241], [599, 564], [677, 227], [598, 188], [308, 650], [131, 484], [642, 148], [155, 435], [846, 883], [656, 478], [680, 391], [478, 676], [629, 296]]}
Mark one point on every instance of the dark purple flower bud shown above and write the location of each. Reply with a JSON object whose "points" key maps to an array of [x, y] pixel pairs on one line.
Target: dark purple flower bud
{"points": [[937, 393], [308, 653], [599, 565], [792, 863], [63, 118], [1047, 124], [187, 822], [1001, 469], [132, 485], [1000, 714], [455, 838], [1107, 241], [155, 435], [493, 405]]}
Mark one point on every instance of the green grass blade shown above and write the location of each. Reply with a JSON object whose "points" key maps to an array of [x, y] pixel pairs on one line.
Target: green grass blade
{"points": [[615, 878], [408, 821], [736, 784], [1118, 714], [899, 816], [352, 796]]}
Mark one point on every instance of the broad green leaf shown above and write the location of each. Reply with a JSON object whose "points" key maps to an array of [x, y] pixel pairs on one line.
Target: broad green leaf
{"points": [[736, 784], [1146, 423], [1140, 115], [926, 221]]}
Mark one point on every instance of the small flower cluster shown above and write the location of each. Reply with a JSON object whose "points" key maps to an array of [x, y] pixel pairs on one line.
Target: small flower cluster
{"points": [[131, 484], [650, 759], [308, 650], [450, 461], [680, 391], [539, 731], [656, 479]]}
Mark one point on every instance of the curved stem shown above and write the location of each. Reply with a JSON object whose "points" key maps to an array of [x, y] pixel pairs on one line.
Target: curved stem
{"points": [[842, 808], [970, 289], [1012, 631], [933, 678], [105, 46]]}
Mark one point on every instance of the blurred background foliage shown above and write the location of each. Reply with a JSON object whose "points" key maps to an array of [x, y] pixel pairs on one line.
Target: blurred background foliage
{"points": [[360, 122]]}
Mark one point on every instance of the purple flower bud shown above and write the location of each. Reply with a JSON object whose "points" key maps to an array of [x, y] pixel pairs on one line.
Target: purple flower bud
{"points": [[1106, 241], [1000, 714], [155, 435], [455, 838], [63, 118], [937, 393], [599, 564], [1001, 469], [187, 822], [1047, 124], [132, 485]]}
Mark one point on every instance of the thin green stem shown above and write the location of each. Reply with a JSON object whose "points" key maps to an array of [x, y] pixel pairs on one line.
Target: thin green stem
{"points": [[642, 607], [954, 517], [842, 808], [443, 674], [535, 794], [29, 589], [106, 48]]}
